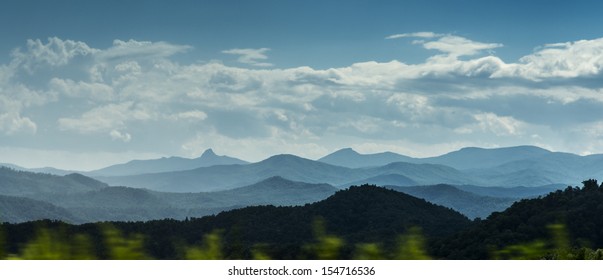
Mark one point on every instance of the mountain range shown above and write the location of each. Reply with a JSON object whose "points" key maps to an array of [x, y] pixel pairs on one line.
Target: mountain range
{"points": [[506, 167], [76, 198], [479, 181], [208, 158], [223, 177]]}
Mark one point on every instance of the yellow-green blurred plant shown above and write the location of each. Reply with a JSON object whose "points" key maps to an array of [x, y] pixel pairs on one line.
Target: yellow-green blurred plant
{"points": [[560, 242], [326, 247], [528, 251], [258, 252], [368, 251], [123, 247], [211, 249], [411, 246], [558, 247], [54, 245]]}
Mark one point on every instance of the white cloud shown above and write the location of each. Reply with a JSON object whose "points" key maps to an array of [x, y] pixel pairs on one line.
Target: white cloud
{"points": [[140, 49], [252, 57], [13, 100], [70, 88], [105, 118], [501, 126], [55, 52], [459, 46], [414, 35], [457, 97], [194, 115], [582, 58], [12, 123], [116, 135]]}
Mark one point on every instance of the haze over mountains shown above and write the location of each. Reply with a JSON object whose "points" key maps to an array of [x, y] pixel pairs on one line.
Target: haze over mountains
{"points": [[473, 181], [511, 166], [208, 158], [75, 198], [508, 167]]}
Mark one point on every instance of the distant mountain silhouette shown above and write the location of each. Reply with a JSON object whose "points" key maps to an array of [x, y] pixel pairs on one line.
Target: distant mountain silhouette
{"points": [[384, 180], [23, 183], [479, 158], [465, 158], [426, 173], [469, 204], [349, 158], [223, 177], [131, 204], [512, 192], [215, 178], [208, 158], [21, 209]]}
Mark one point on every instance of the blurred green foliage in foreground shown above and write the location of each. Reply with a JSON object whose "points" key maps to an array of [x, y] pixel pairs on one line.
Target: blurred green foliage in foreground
{"points": [[56, 244]]}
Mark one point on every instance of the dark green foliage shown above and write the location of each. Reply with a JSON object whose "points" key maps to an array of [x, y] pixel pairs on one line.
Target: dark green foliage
{"points": [[580, 209], [365, 214], [469, 204]]}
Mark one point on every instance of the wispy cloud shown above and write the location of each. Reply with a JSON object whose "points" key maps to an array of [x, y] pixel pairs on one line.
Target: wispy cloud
{"points": [[447, 43], [460, 96], [414, 35], [132, 48], [251, 56]]}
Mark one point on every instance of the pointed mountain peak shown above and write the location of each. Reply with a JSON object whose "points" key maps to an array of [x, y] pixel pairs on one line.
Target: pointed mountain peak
{"points": [[349, 151], [208, 153]]}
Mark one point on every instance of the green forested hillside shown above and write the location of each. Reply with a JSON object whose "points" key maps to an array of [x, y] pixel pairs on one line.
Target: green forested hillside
{"points": [[578, 210], [469, 204], [357, 215]]}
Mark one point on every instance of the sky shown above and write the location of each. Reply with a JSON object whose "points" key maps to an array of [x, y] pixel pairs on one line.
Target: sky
{"points": [[86, 84]]}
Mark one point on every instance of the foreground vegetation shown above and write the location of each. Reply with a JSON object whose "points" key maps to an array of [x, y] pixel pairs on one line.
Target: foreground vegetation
{"points": [[364, 222], [57, 244]]}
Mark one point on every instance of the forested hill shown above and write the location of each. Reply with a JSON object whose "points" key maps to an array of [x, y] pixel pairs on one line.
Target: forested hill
{"points": [[578, 210], [21, 183], [356, 215]]}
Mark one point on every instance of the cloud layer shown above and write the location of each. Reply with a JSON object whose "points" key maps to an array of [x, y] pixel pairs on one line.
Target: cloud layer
{"points": [[134, 96]]}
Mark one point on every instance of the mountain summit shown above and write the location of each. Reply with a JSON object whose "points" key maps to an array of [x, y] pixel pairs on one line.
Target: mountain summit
{"points": [[347, 157], [134, 167]]}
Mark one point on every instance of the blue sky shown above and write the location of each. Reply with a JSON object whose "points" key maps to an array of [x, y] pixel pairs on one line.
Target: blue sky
{"points": [[84, 84]]}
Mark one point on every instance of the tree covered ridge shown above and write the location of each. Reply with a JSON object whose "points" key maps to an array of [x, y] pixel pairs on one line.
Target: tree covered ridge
{"points": [[365, 222], [358, 215], [579, 210]]}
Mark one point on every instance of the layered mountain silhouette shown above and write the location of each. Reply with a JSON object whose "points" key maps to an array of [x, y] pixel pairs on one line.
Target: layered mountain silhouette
{"points": [[76, 198], [480, 181], [208, 158], [507, 167], [222, 177], [349, 158]]}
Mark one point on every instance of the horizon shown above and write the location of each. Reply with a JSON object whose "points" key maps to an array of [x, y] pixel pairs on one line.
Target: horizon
{"points": [[281, 154], [85, 85]]}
